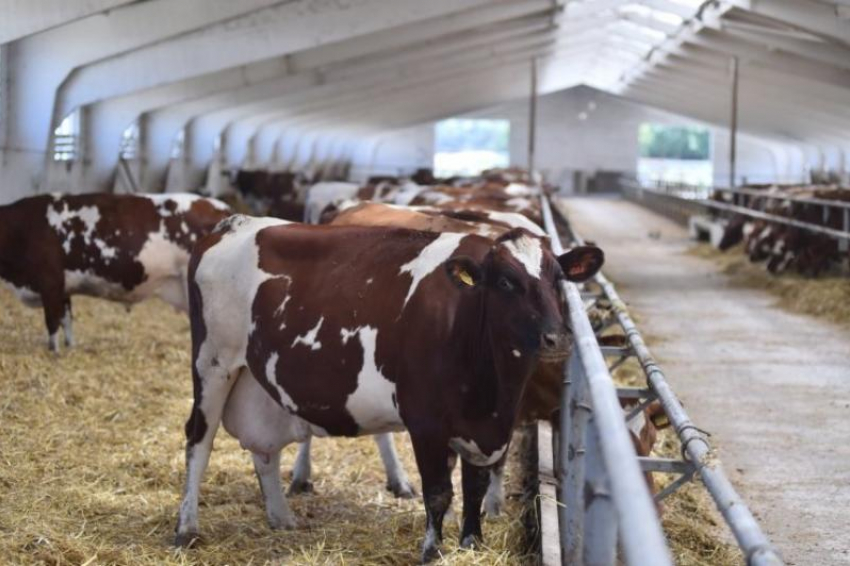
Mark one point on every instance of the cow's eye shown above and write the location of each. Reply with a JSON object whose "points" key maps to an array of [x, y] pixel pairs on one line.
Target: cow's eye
{"points": [[505, 284]]}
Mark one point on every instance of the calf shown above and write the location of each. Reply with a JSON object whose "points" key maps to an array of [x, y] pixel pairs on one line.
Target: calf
{"points": [[367, 330], [123, 248]]}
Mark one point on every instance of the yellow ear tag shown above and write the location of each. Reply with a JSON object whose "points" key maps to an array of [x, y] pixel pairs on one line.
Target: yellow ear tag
{"points": [[466, 278]]}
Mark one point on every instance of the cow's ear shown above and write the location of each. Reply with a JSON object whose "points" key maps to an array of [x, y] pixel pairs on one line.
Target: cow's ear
{"points": [[464, 272], [581, 263]]}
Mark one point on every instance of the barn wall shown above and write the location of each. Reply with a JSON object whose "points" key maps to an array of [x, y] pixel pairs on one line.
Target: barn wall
{"points": [[580, 129], [399, 152]]}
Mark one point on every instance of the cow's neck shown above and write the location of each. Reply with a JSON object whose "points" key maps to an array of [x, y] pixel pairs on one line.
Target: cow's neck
{"points": [[492, 387]]}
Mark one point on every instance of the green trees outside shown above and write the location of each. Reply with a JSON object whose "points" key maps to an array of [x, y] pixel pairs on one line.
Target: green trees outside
{"points": [[463, 134], [674, 142]]}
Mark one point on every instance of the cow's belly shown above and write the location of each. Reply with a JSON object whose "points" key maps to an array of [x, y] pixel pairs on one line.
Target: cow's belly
{"points": [[257, 421], [311, 378], [79, 282], [24, 294]]}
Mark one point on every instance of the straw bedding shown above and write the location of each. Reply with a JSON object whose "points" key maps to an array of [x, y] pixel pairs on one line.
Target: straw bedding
{"points": [[91, 465], [91, 462]]}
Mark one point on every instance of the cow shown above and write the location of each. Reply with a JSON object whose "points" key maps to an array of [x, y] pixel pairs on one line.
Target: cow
{"points": [[365, 330], [326, 200], [326, 194], [272, 193], [489, 196], [484, 223], [542, 395], [124, 248], [489, 224]]}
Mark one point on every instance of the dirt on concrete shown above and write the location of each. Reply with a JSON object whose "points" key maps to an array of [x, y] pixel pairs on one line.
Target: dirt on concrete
{"points": [[772, 386]]}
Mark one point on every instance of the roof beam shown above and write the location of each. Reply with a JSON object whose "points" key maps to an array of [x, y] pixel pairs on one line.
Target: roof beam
{"points": [[275, 31], [26, 17], [815, 17]]}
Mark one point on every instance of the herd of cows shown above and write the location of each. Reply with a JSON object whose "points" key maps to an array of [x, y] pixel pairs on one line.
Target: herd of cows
{"points": [[783, 247], [393, 306]]}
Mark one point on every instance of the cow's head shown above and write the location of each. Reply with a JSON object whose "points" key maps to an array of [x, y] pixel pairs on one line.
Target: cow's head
{"points": [[519, 284]]}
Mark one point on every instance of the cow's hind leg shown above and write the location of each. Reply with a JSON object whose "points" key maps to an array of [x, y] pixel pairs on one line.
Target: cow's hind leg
{"points": [[212, 385], [68, 324], [494, 499], [267, 467], [301, 471], [397, 481], [474, 481]]}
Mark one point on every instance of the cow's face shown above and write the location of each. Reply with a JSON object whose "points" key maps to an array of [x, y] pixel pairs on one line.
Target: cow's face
{"points": [[519, 283]]}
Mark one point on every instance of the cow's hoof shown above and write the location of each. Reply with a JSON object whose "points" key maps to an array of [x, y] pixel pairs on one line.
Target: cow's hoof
{"points": [[470, 542], [430, 554], [402, 490], [283, 523], [187, 540], [300, 486]]}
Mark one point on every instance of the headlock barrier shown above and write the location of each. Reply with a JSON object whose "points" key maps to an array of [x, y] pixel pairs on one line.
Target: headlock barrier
{"points": [[602, 498]]}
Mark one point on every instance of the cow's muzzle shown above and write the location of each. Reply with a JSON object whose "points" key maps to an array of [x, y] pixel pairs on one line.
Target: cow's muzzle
{"points": [[554, 346]]}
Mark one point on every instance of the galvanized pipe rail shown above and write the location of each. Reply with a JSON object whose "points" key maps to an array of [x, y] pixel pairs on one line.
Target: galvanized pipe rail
{"points": [[696, 449], [603, 492], [841, 207]]}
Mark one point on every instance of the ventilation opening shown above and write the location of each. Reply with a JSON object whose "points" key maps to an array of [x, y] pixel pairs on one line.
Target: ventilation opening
{"points": [[469, 146]]}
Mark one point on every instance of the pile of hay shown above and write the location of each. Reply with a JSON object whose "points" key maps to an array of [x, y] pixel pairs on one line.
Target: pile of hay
{"points": [[827, 296], [91, 462]]}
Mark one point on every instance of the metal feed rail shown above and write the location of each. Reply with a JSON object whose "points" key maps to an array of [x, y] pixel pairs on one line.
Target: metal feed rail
{"points": [[595, 448], [696, 450], [840, 207]]}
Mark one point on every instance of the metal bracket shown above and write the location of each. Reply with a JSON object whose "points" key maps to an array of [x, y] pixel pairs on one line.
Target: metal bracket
{"points": [[635, 393], [665, 465]]}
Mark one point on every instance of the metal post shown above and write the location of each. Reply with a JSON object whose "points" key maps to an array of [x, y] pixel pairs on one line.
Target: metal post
{"points": [[572, 460], [532, 116], [563, 460], [600, 519], [733, 125]]}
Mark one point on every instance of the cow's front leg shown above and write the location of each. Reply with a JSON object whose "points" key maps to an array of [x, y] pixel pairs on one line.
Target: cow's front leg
{"points": [[474, 480], [267, 468], [397, 481], [433, 457], [301, 471]]}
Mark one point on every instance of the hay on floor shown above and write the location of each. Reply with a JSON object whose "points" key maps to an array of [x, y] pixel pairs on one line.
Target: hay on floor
{"points": [[91, 462], [827, 296]]}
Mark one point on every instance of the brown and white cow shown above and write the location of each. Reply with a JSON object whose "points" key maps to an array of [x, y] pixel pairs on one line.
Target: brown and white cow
{"points": [[368, 330], [491, 224], [123, 248], [541, 398]]}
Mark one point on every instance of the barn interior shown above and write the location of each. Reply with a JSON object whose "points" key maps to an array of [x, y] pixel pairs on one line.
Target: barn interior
{"points": [[630, 112]]}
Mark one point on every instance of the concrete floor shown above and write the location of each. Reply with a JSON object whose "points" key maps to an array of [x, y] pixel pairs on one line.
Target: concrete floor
{"points": [[773, 388]]}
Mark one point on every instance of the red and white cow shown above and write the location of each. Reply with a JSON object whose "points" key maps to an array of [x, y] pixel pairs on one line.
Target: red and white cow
{"points": [[369, 330], [123, 248]]}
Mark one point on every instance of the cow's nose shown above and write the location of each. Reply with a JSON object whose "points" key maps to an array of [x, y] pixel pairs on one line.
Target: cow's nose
{"points": [[551, 340]]}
